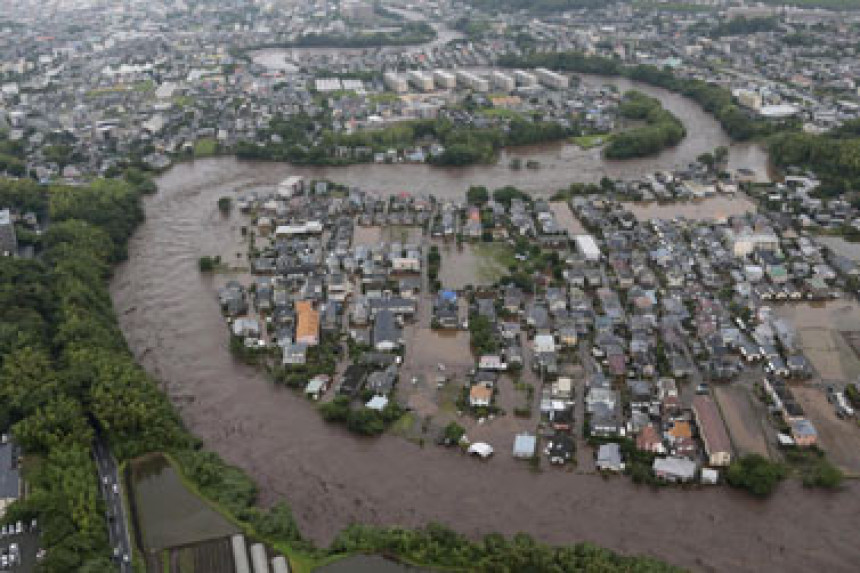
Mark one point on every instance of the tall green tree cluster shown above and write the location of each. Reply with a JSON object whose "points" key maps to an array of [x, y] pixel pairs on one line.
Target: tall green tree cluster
{"points": [[64, 368], [661, 129], [445, 548], [834, 156], [716, 100]]}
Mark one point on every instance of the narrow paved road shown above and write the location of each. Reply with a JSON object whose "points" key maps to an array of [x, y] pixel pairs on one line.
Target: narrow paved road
{"points": [[111, 489]]}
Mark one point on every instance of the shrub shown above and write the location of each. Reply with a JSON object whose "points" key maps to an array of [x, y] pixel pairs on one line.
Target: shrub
{"points": [[755, 474]]}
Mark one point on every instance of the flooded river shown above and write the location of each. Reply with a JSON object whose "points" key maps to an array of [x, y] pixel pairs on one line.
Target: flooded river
{"points": [[171, 319], [561, 163]]}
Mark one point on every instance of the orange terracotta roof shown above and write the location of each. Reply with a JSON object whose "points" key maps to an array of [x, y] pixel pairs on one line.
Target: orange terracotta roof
{"points": [[681, 429], [309, 320], [480, 392]]}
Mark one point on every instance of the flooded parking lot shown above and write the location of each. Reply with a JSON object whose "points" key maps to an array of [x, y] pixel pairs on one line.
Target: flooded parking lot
{"points": [[821, 328], [716, 208], [474, 264], [171, 320]]}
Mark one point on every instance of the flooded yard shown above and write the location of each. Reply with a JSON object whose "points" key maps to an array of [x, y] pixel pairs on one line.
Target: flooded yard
{"points": [[839, 438], [374, 235], [840, 246], [821, 329], [566, 219], [475, 264], [716, 208]]}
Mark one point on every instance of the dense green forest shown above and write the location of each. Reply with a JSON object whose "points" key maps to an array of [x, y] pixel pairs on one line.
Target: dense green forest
{"points": [[445, 548], [834, 156], [744, 26], [67, 374], [464, 145], [64, 367], [661, 129], [11, 156], [716, 100]]}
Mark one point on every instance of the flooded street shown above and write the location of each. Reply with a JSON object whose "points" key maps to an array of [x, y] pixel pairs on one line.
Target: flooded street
{"points": [[171, 320]]}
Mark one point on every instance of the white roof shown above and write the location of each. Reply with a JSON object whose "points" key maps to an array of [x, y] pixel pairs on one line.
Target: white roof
{"points": [[483, 449], [544, 342], [377, 403], [680, 467], [782, 110], [524, 445]]}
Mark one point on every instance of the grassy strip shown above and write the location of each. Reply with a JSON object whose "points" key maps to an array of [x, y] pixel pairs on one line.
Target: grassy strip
{"points": [[590, 141]]}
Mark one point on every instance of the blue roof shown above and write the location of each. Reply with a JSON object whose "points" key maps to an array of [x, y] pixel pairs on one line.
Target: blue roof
{"points": [[448, 295]]}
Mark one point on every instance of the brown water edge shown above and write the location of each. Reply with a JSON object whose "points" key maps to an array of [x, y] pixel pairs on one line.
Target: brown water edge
{"points": [[172, 323], [561, 163]]}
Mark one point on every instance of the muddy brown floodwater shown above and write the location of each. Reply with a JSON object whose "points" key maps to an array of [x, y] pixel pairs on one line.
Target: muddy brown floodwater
{"points": [[171, 320]]}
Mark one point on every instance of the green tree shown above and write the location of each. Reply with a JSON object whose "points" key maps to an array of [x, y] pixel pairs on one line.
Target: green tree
{"points": [[365, 421], [755, 474], [477, 195], [454, 432], [335, 411]]}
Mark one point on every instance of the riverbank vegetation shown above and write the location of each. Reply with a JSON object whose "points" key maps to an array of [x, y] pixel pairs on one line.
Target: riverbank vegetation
{"points": [[834, 157], [661, 130], [756, 474], [439, 545], [743, 27], [303, 142], [716, 100]]}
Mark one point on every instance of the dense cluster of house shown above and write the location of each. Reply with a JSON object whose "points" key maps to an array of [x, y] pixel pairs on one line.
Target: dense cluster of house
{"points": [[651, 306], [652, 310], [311, 280]]}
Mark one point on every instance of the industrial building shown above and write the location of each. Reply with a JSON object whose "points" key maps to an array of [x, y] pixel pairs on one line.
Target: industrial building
{"points": [[473, 81], [445, 80], [421, 80], [551, 79], [395, 82], [525, 79], [503, 81]]}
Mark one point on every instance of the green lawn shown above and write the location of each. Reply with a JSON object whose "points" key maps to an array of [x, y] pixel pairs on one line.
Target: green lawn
{"points": [[500, 112], [403, 426], [384, 97], [589, 141], [494, 259], [205, 147]]}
